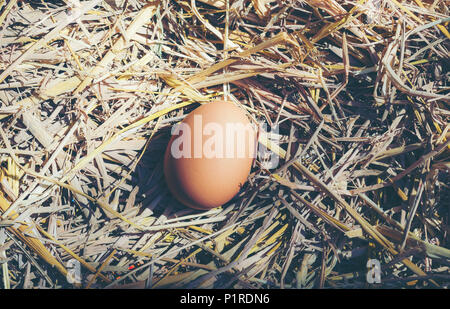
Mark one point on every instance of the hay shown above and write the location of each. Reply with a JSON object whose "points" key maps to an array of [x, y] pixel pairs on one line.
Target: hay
{"points": [[359, 90]]}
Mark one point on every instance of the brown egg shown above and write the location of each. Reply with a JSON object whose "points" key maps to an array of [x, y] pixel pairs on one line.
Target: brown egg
{"points": [[210, 155]]}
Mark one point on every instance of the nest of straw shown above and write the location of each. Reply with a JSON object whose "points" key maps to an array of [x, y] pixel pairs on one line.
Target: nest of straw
{"points": [[359, 89]]}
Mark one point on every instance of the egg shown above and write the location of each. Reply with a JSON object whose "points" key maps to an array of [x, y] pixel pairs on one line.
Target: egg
{"points": [[210, 155]]}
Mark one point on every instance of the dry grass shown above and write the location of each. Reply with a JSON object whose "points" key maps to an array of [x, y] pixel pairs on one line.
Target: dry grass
{"points": [[359, 89]]}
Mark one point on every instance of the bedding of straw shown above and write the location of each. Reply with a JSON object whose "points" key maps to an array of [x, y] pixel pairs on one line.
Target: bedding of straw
{"points": [[89, 91]]}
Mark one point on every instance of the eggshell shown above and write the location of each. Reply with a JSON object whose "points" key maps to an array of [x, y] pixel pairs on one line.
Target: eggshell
{"points": [[209, 157]]}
